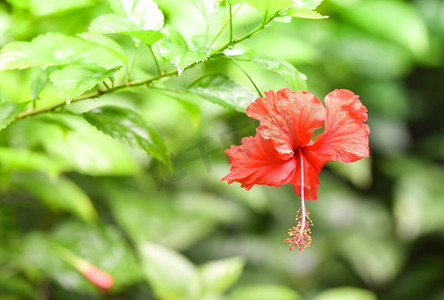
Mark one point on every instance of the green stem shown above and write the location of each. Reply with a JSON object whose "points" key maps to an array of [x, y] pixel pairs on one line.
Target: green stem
{"points": [[144, 82], [249, 78], [159, 71], [229, 21], [106, 85]]}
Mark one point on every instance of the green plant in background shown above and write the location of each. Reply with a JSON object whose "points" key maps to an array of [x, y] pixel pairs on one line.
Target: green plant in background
{"points": [[108, 117]]}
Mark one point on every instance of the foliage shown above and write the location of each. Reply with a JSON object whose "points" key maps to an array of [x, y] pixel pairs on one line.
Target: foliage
{"points": [[113, 120]]}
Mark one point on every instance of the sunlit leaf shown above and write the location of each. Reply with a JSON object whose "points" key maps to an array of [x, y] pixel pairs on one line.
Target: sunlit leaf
{"points": [[144, 14], [26, 160], [284, 69], [106, 42], [264, 292], [305, 13], [169, 274], [55, 49], [76, 144], [39, 83], [346, 293], [223, 91], [75, 80], [269, 7], [175, 49], [59, 194], [208, 8], [129, 127], [8, 111], [218, 276], [113, 23]]}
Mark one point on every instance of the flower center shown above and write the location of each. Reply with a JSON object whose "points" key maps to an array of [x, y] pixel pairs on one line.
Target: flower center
{"points": [[300, 234]]}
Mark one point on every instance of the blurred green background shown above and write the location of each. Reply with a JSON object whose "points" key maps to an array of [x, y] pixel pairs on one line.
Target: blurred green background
{"points": [[378, 223]]}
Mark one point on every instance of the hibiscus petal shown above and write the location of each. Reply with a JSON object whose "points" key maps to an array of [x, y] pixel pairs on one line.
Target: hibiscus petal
{"points": [[256, 162], [288, 118], [345, 136]]}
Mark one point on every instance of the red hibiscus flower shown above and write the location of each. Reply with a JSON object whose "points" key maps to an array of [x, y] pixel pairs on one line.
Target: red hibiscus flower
{"points": [[283, 151]]}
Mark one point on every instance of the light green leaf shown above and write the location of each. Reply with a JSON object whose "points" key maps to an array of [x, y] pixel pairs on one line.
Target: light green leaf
{"points": [[59, 194], [48, 7], [55, 49], [175, 49], [129, 127], [218, 276], [346, 293], [308, 4], [269, 7], [8, 111], [75, 80], [285, 69], [144, 14], [149, 37], [26, 160], [76, 144], [207, 7], [407, 28], [301, 12], [264, 292], [39, 83], [223, 91], [169, 274], [107, 43]]}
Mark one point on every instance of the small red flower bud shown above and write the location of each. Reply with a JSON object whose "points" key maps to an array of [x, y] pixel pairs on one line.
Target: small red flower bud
{"points": [[98, 277]]}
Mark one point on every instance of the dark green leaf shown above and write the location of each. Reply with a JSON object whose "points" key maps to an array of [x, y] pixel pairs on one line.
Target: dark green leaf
{"points": [[169, 274], [218, 276], [130, 128], [75, 80], [223, 91], [8, 111], [55, 49], [285, 69], [175, 49], [59, 194]]}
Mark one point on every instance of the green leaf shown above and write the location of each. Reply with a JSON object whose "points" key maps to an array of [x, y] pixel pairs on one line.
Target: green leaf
{"points": [[75, 80], [59, 194], [346, 293], [284, 69], [113, 23], [55, 49], [301, 12], [144, 14], [218, 276], [75, 144], [175, 49], [208, 8], [8, 111], [169, 274], [26, 160], [269, 7], [407, 27], [107, 43], [39, 83], [88, 241], [129, 127], [223, 91], [264, 292]]}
